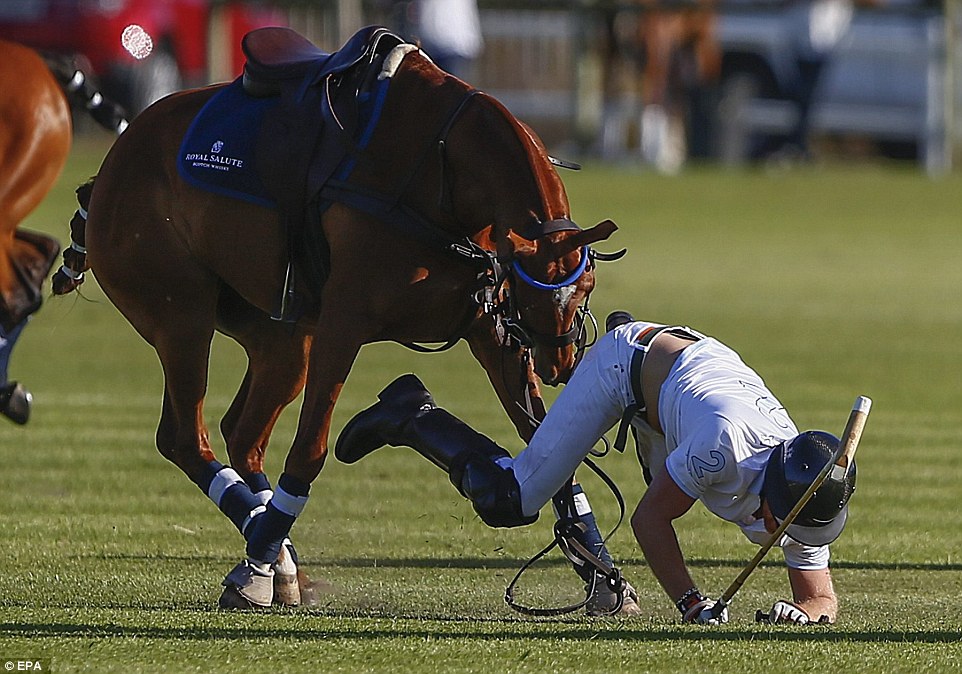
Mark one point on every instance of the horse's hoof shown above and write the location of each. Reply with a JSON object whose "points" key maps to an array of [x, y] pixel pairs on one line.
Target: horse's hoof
{"points": [[247, 587], [287, 591], [604, 600], [231, 599], [15, 402]]}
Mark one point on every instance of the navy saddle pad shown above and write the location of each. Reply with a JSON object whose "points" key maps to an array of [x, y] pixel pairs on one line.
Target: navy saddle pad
{"points": [[217, 153]]}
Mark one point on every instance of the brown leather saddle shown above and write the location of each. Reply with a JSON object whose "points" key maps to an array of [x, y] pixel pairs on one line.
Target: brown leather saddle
{"points": [[312, 130], [277, 56]]}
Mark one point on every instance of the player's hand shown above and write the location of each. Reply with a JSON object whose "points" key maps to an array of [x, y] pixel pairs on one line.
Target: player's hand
{"points": [[787, 613], [703, 613]]}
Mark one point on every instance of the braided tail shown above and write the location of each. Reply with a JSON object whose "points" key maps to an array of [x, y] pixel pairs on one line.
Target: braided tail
{"points": [[71, 273]]}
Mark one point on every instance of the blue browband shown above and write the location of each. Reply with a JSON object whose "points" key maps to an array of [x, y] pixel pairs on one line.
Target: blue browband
{"points": [[515, 266]]}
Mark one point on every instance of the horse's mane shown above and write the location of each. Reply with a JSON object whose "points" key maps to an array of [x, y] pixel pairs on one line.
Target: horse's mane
{"points": [[546, 182]]}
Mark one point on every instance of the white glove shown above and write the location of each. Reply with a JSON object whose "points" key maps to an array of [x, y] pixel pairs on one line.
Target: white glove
{"points": [[702, 614], [785, 612]]}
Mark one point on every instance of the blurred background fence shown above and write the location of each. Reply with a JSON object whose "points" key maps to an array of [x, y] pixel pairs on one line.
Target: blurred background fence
{"points": [[662, 82], [583, 73]]}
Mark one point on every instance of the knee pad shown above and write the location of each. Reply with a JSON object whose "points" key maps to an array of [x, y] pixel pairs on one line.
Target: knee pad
{"points": [[493, 491]]}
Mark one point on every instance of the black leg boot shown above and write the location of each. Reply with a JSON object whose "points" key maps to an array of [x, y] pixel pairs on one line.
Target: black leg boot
{"points": [[382, 423], [407, 415]]}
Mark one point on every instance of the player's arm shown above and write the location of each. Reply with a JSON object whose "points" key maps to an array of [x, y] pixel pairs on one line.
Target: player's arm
{"points": [[652, 520], [814, 593], [813, 596]]}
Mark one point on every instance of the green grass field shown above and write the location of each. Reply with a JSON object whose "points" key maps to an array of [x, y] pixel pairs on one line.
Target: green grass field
{"points": [[832, 282]]}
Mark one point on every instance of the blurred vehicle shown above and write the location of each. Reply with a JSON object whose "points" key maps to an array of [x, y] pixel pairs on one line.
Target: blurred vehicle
{"points": [[191, 40], [883, 84]]}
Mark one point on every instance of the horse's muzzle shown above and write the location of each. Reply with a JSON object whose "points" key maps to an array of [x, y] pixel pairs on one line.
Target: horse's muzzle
{"points": [[554, 366]]}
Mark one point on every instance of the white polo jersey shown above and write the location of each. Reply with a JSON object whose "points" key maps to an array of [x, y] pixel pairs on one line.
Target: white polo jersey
{"points": [[721, 423]]}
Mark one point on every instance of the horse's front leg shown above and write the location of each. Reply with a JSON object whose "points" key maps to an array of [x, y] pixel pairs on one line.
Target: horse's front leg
{"points": [[276, 371], [512, 375], [331, 356]]}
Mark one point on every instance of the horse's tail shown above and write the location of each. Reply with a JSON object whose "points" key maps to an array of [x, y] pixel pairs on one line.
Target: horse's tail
{"points": [[81, 90], [71, 273]]}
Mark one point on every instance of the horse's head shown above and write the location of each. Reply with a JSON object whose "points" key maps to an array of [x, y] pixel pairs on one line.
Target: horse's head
{"points": [[468, 165], [498, 179], [502, 178], [551, 278]]}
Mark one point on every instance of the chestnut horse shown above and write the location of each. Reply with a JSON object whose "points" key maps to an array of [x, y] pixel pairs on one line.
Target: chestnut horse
{"points": [[35, 137], [478, 244]]}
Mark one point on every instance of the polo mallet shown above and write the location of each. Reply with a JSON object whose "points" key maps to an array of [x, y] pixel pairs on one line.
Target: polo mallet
{"points": [[835, 470]]}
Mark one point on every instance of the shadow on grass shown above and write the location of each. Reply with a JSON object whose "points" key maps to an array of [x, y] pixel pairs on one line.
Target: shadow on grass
{"points": [[509, 563], [513, 563], [349, 629]]}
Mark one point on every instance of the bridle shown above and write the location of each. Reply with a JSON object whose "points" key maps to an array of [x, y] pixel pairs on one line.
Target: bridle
{"points": [[510, 325]]}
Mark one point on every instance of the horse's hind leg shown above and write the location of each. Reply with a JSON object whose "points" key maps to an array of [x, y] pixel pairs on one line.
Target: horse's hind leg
{"points": [[182, 437], [171, 301]]}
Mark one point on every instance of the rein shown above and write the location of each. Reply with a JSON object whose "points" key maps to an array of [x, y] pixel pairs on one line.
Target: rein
{"points": [[564, 538]]}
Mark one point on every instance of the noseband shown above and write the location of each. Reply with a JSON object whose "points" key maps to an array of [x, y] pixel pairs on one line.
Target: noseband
{"points": [[576, 334], [519, 271]]}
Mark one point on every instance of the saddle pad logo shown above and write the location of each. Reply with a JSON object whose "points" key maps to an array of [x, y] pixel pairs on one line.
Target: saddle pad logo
{"points": [[218, 151], [214, 161]]}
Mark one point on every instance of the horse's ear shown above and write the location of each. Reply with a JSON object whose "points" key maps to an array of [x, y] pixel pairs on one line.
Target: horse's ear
{"points": [[514, 245], [599, 232]]}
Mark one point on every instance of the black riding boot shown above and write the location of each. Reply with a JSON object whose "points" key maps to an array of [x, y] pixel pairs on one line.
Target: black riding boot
{"points": [[407, 415]]}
